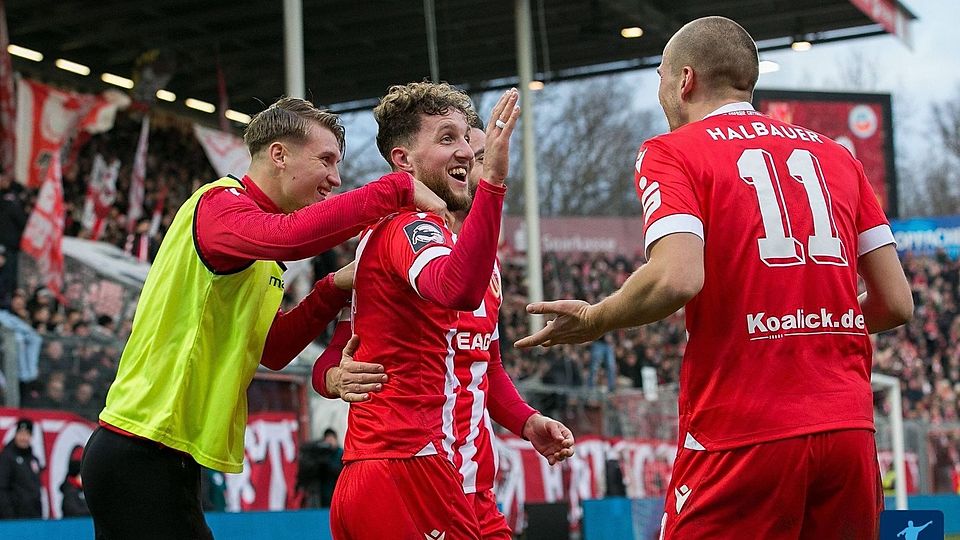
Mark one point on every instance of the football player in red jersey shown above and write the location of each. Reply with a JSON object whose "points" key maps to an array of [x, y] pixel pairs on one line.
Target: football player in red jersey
{"points": [[411, 282], [483, 390], [760, 229]]}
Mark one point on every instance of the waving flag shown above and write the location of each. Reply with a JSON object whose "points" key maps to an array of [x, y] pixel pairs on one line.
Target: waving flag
{"points": [[43, 235], [7, 111], [138, 178]]}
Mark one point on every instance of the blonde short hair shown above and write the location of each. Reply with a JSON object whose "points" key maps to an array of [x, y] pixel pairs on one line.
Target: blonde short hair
{"points": [[289, 119]]}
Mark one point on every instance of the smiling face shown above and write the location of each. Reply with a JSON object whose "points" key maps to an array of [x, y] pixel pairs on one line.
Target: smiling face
{"points": [[311, 169], [440, 156]]}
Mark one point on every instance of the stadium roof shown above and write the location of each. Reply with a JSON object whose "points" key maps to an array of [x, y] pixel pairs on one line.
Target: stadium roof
{"points": [[354, 49]]}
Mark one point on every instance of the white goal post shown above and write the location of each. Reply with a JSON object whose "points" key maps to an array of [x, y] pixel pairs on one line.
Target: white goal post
{"points": [[892, 384]]}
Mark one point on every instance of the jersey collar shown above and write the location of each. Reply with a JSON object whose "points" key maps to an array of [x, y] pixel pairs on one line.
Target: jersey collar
{"points": [[731, 107], [259, 197]]}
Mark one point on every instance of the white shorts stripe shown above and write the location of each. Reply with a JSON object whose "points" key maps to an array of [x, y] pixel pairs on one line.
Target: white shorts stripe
{"points": [[468, 451], [450, 385]]}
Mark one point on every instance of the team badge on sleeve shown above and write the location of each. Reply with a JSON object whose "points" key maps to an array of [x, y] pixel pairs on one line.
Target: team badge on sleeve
{"points": [[423, 233]]}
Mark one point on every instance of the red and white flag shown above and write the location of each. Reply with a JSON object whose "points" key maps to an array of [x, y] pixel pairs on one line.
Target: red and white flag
{"points": [[43, 235], [226, 152], [101, 192], [47, 118], [158, 210], [138, 178], [7, 111]]}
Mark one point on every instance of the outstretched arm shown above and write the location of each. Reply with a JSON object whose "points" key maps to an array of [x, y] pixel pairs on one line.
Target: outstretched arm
{"points": [[670, 279]]}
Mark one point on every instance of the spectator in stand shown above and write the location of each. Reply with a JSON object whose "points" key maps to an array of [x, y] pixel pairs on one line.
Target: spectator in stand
{"points": [[83, 401], [74, 501], [18, 305], [20, 476], [105, 328], [55, 395], [601, 354], [142, 245], [13, 219], [328, 483], [8, 281]]}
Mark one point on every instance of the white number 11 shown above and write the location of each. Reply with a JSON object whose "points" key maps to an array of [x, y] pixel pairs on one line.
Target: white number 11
{"points": [[778, 247]]}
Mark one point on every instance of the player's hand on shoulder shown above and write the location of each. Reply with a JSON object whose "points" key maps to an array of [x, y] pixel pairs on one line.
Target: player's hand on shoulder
{"points": [[343, 278], [427, 201], [496, 157], [357, 380]]}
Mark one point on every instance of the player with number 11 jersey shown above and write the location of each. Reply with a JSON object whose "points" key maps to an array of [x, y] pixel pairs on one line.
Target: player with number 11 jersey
{"points": [[775, 204]]}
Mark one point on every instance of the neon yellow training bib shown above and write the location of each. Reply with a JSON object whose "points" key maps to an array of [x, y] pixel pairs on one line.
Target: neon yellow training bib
{"points": [[196, 342]]}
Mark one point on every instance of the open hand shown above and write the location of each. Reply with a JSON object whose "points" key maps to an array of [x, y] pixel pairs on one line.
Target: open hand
{"points": [[353, 380], [496, 154], [550, 438], [572, 325]]}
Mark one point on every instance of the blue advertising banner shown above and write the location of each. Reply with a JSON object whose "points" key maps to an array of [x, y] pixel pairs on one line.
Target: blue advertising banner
{"points": [[928, 235]]}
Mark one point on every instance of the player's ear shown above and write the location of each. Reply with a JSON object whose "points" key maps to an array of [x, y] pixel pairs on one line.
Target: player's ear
{"points": [[401, 159], [688, 78], [277, 153]]}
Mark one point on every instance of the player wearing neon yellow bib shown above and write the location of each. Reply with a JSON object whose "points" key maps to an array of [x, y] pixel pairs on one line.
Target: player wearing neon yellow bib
{"points": [[163, 387]]}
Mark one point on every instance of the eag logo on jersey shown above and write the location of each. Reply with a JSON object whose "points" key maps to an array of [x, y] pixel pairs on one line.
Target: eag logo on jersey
{"points": [[467, 341], [421, 234]]}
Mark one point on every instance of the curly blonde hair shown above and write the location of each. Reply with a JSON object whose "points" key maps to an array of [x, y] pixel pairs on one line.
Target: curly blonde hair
{"points": [[398, 113]]}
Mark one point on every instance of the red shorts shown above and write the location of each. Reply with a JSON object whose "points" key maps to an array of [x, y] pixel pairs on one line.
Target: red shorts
{"points": [[493, 525], [821, 486], [404, 499]]}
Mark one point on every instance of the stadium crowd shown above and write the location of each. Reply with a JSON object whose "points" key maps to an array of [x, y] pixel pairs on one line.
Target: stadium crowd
{"points": [[80, 347]]}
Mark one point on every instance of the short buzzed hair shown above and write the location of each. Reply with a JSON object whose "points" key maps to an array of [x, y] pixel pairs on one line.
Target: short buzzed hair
{"points": [[720, 51], [289, 119], [398, 113]]}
